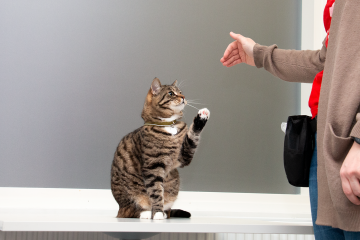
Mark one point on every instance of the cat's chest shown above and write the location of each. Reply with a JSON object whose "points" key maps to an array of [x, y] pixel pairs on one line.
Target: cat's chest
{"points": [[164, 136], [172, 130]]}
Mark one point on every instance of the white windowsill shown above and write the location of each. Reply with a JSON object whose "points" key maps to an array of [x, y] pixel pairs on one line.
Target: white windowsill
{"points": [[84, 210]]}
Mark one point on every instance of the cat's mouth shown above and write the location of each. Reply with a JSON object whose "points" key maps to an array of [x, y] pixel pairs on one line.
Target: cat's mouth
{"points": [[178, 105], [178, 108], [183, 102]]}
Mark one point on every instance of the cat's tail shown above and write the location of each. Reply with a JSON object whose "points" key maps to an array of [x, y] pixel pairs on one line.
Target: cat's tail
{"points": [[179, 213]]}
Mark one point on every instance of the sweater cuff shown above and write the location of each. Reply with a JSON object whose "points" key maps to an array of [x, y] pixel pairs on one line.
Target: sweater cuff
{"points": [[260, 52], [355, 131]]}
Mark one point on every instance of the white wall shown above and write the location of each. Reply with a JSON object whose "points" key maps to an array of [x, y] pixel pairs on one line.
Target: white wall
{"points": [[312, 35], [69, 72]]}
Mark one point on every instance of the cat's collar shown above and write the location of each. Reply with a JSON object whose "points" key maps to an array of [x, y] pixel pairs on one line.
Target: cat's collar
{"points": [[160, 124]]}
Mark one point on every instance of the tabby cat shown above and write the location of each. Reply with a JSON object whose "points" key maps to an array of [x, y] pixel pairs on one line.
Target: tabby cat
{"points": [[144, 176]]}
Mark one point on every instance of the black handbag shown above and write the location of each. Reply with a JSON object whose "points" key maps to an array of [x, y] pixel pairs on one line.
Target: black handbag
{"points": [[299, 146]]}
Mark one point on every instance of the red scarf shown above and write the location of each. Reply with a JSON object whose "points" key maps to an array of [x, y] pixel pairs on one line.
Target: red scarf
{"points": [[315, 91]]}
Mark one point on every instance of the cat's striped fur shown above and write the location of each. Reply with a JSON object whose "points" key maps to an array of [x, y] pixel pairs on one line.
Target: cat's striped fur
{"points": [[144, 175]]}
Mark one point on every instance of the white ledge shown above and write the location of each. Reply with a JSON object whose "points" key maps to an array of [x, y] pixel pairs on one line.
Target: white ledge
{"points": [[84, 210]]}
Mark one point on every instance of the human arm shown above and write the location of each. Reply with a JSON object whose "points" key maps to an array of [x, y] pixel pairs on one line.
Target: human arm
{"points": [[289, 65]]}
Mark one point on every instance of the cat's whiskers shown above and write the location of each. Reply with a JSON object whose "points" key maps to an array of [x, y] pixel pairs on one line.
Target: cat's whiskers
{"points": [[192, 106], [194, 101]]}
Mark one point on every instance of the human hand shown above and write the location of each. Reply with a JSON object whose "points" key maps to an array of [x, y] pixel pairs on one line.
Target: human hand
{"points": [[239, 51], [350, 174]]}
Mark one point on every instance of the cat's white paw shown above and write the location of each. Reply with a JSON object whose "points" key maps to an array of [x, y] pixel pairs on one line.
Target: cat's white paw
{"points": [[160, 216], [145, 215], [204, 113]]}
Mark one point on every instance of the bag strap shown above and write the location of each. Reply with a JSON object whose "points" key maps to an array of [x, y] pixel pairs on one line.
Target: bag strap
{"points": [[313, 124]]}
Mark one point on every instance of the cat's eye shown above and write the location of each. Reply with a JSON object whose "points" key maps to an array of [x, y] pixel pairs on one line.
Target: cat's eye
{"points": [[171, 93]]}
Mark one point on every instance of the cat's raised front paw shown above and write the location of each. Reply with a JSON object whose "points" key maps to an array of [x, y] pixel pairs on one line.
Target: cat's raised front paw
{"points": [[204, 113], [160, 216], [201, 119]]}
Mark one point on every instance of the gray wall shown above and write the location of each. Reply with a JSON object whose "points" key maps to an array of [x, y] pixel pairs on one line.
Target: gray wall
{"points": [[74, 75]]}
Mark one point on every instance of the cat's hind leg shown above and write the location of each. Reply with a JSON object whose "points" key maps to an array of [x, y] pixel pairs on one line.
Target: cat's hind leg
{"points": [[143, 201], [145, 215], [129, 212], [132, 207]]}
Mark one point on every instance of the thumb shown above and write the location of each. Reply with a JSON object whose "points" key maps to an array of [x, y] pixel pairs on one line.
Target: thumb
{"points": [[237, 37]]}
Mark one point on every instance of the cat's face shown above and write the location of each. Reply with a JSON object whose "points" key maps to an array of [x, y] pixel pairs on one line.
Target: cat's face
{"points": [[163, 102]]}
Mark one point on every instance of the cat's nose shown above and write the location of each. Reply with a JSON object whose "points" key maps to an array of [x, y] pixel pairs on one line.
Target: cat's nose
{"points": [[182, 98]]}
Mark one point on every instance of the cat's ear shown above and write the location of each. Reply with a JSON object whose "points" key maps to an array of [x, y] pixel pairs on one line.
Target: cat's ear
{"points": [[175, 83], [155, 86]]}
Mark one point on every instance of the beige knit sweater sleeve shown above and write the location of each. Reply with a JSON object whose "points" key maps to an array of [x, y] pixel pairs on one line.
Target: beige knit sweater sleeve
{"points": [[290, 65]]}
